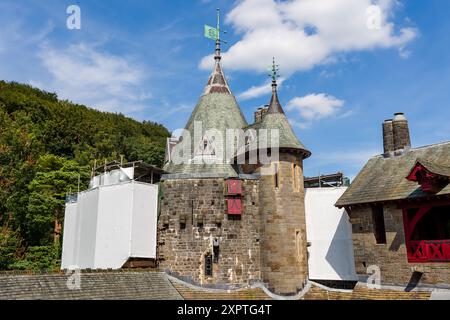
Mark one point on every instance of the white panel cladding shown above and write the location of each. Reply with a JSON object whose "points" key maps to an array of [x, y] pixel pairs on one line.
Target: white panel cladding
{"points": [[115, 213], [70, 236], [110, 224], [145, 211], [330, 234], [87, 228]]}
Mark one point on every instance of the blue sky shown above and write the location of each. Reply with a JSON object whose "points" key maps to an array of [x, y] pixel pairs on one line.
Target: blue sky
{"points": [[340, 78]]}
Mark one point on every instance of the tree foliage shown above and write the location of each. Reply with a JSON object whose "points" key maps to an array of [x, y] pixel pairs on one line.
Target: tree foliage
{"points": [[47, 147]]}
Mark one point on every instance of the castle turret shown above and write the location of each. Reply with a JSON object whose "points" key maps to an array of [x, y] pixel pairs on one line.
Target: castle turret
{"points": [[208, 230], [283, 231], [216, 111]]}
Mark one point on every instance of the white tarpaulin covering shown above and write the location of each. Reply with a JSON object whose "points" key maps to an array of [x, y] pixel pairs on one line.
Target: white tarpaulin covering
{"points": [[330, 234], [109, 224]]}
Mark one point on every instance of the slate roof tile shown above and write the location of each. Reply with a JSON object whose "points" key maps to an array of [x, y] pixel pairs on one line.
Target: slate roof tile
{"points": [[384, 179]]}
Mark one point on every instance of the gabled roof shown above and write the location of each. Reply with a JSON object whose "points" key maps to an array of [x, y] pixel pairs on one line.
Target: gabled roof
{"points": [[383, 179]]}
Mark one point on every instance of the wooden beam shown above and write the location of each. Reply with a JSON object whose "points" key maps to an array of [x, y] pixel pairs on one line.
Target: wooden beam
{"points": [[422, 203], [412, 225]]}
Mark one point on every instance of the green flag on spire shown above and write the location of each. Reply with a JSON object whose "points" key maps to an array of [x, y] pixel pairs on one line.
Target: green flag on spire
{"points": [[211, 32]]}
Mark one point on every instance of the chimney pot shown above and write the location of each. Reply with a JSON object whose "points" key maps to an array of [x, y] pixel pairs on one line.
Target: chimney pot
{"points": [[400, 127], [399, 116], [259, 113]]}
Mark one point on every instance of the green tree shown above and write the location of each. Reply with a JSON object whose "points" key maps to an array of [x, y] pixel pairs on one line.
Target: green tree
{"points": [[9, 244], [45, 143], [55, 177]]}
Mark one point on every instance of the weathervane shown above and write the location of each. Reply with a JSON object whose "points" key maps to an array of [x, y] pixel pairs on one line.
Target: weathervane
{"points": [[274, 71], [214, 34]]}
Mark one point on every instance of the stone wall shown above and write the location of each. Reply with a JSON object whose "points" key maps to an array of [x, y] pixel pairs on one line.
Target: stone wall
{"points": [[390, 257], [283, 247], [182, 248]]}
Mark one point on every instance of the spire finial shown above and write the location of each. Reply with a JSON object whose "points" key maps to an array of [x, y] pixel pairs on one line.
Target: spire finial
{"points": [[274, 106], [217, 56], [213, 33], [218, 23], [274, 73]]}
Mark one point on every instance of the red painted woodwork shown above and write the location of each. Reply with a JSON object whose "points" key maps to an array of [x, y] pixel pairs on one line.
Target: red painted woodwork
{"points": [[234, 206], [429, 202], [428, 181], [423, 250], [411, 225], [414, 174], [234, 187], [428, 251]]}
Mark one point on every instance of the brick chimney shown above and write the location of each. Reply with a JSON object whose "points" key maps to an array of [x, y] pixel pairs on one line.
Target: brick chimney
{"points": [[259, 114], [388, 136], [400, 128]]}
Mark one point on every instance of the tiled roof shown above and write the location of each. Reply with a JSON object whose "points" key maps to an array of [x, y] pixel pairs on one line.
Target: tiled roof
{"points": [[288, 139], [216, 109], [384, 179], [217, 83], [275, 105], [435, 168], [190, 293], [133, 285], [362, 292], [275, 118]]}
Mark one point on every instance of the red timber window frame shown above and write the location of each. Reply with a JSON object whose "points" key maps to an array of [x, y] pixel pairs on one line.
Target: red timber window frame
{"points": [[234, 187], [234, 193], [421, 251], [234, 206]]}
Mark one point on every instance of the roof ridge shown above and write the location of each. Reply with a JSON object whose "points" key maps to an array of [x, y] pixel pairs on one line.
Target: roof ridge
{"points": [[381, 155], [431, 145]]}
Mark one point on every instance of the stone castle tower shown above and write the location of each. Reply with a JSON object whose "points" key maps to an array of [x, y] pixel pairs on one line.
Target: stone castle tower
{"points": [[282, 206], [225, 224]]}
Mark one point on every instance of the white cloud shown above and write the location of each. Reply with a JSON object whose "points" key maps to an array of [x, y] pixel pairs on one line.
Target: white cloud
{"points": [[315, 106], [85, 75], [257, 91], [302, 34]]}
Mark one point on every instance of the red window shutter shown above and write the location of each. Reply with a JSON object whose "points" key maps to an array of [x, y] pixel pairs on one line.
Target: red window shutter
{"points": [[234, 206], [234, 187]]}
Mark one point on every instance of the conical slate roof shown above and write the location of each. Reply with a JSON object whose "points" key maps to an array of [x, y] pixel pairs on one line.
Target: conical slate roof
{"points": [[216, 109], [275, 105], [275, 118]]}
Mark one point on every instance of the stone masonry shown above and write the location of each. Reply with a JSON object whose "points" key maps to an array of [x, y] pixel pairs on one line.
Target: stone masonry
{"points": [[283, 247], [193, 213], [390, 257]]}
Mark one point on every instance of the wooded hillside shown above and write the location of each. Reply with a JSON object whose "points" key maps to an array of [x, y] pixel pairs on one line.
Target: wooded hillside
{"points": [[46, 147]]}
